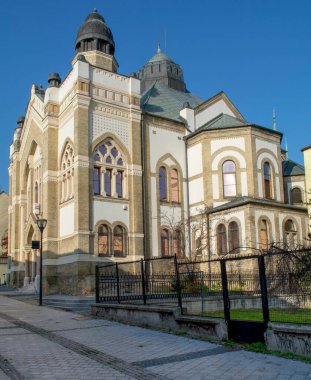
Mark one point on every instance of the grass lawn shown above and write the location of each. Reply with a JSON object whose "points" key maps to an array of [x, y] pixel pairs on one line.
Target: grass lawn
{"points": [[276, 315]]}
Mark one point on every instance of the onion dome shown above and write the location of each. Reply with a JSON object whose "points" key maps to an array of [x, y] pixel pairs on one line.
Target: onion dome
{"points": [[94, 34]]}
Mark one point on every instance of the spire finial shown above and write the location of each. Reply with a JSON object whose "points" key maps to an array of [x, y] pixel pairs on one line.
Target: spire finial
{"points": [[158, 49], [286, 148], [95, 10], [274, 120]]}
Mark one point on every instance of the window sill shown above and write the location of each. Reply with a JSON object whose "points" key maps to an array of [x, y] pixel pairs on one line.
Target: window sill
{"points": [[111, 256], [110, 199]]}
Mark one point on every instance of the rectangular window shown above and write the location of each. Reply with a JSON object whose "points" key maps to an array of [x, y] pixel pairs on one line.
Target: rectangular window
{"points": [[229, 185], [96, 181], [103, 245], [119, 184], [108, 182], [118, 246]]}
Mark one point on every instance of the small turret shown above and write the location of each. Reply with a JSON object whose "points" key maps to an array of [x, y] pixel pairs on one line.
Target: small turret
{"points": [[54, 80], [17, 133]]}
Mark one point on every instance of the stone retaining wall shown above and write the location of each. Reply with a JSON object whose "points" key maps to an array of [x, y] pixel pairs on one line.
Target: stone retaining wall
{"points": [[289, 338], [163, 318]]}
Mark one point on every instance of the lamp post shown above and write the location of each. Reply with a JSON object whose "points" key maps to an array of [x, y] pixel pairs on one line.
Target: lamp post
{"points": [[41, 223]]}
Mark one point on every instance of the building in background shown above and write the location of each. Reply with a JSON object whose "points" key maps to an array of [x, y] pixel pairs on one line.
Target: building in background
{"points": [[125, 167]]}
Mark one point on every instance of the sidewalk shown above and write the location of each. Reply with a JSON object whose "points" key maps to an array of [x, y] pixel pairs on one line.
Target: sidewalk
{"points": [[44, 343]]}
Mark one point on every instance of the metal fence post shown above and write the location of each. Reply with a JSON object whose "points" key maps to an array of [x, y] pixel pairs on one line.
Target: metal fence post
{"points": [[118, 282], [97, 284], [263, 288], [178, 284], [225, 292], [143, 284]]}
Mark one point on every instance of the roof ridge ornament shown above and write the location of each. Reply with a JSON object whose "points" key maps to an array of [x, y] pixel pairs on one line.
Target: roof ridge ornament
{"points": [[286, 148], [274, 120], [158, 49]]}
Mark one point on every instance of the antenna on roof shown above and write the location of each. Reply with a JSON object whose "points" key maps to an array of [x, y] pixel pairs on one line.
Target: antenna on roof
{"points": [[274, 120], [286, 148]]}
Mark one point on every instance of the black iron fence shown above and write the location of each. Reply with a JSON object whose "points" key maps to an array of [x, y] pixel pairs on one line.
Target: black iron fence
{"points": [[274, 286]]}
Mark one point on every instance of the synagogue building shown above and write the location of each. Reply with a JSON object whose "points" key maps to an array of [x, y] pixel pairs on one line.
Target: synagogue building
{"points": [[126, 167]]}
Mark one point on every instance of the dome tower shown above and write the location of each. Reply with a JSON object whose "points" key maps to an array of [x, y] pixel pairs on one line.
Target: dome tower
{"points": [[95, 42], [163, 69]]}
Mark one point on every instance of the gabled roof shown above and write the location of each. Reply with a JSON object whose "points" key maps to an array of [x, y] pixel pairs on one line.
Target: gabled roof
{"points": [[292, 168], [166, 102], [216, 98]]}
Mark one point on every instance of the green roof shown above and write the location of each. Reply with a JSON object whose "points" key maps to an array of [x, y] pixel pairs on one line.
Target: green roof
{"points": [[222, 121], [160, 56], [164, 101], [291, 168]]}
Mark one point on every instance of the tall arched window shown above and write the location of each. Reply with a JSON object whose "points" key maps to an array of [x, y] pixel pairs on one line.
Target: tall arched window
{"points": [[234, 239], [229, 178], [165, 243], [264, 238], [296, 196], [109, 170], [221, 239], [67, 173], [290, 234], [174, 186], [267, 180], [103, 240], [163, 183], [177, 243], [118, 241]]}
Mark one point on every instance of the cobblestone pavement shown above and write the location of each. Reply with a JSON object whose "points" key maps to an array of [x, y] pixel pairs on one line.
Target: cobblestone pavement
{"points": [[44, 343]]}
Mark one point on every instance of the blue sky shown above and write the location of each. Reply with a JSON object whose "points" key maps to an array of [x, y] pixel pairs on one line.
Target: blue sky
{"points": [[257, 51]]}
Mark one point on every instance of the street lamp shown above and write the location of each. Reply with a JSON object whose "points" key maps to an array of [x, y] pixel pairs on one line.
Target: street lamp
{"points": [[41, 223]]}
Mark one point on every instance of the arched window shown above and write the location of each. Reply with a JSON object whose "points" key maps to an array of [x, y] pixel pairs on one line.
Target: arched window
{"points": [[118, 241], [67, 173], [109, 170], [229, 179], [165, 243], [221, 239], [103, 240], [296, 196], [163, 183], [177, 243], [290, 234], [264, 239], [174, 186], [234, 239], [267, 180], [198, 242]]}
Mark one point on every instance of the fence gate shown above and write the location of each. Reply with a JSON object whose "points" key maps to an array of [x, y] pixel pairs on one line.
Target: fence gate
{"points": [[245, 299]]}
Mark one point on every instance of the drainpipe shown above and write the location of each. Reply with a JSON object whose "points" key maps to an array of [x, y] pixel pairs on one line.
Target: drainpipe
{"points": [[188, 202], [144, 183], [208, 248]]}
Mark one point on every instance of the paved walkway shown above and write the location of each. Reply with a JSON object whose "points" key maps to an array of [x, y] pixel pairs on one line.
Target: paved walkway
{"points": [[44, 343]]}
